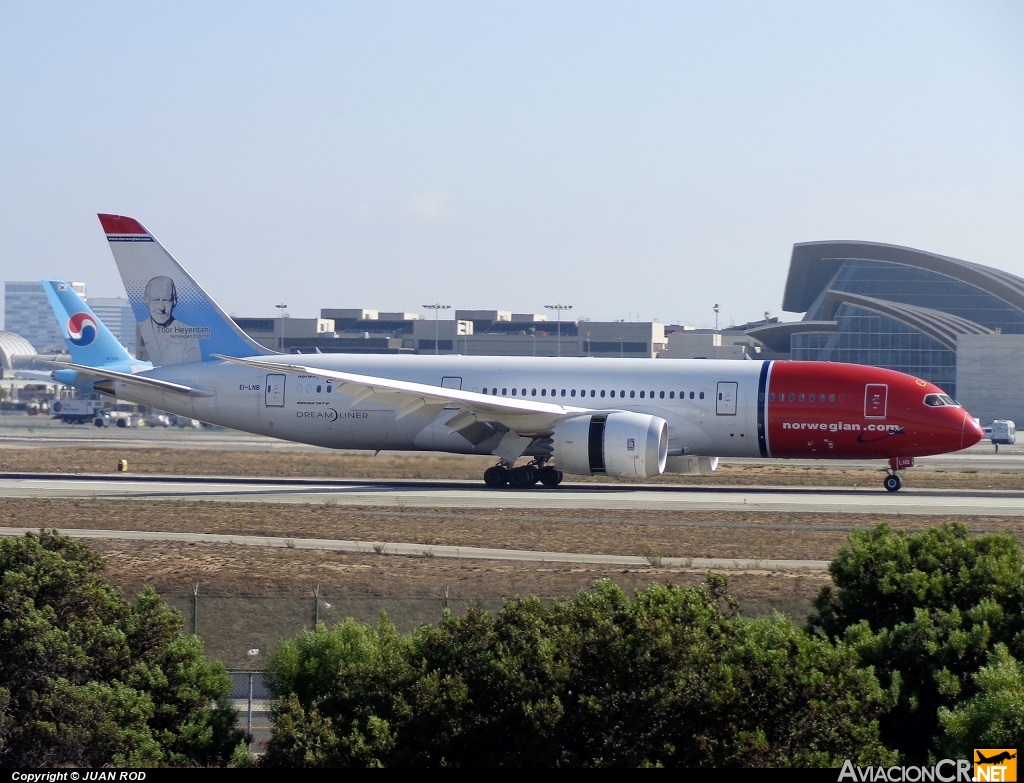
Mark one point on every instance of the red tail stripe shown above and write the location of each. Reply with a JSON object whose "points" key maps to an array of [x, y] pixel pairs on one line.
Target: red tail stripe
{"points": [[118, 224]]}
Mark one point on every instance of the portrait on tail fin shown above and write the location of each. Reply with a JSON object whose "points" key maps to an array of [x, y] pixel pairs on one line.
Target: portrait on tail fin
{"points": [[167, 339]]}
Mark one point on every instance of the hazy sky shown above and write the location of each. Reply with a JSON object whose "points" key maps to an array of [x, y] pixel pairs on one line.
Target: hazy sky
{"points": [[634, 159]]}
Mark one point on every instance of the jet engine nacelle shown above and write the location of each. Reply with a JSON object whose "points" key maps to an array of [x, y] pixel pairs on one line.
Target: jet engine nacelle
{"points": [[623, 443], [691, 466]]}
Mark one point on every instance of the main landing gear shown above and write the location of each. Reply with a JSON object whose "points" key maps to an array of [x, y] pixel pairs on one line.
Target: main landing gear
{"points": [[892, 481], [522, 477]]}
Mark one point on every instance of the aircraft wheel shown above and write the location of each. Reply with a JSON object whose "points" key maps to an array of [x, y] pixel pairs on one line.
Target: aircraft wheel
{"points": [[893, 482], [496, 476], [525, 476], [550, 477]]}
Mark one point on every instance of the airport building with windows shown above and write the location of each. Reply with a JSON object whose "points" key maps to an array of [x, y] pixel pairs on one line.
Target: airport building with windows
{"points": [[27, 313], [955, 323], [470, 332]]}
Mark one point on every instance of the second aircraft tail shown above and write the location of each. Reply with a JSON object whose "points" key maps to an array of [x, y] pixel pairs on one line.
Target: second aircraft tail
{"points": [[178, 321], [87, 338]]}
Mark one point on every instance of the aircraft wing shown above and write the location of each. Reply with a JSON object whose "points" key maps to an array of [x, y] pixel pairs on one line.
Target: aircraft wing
{"points": [[136, 380], [526, 417]]}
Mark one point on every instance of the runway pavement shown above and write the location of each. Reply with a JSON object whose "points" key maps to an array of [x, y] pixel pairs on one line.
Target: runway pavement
{"points": [[471, 494]]}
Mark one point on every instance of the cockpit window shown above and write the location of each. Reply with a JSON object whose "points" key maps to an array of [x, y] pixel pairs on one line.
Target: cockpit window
{"points": [[939, 400]]}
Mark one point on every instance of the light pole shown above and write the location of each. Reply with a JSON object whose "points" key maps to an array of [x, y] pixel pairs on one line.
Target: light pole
{"points": [[716, 308], [533, 334], [436, 307], [559, 308], [284, 314]]}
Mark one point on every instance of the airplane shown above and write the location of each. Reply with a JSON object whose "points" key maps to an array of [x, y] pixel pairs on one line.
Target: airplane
{"points": [[88, 340], [996, 759], [633, 418]]}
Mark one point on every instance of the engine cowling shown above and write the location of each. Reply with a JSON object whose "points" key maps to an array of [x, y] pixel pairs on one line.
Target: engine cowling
{"points": [[691, 466], [623, 443]]}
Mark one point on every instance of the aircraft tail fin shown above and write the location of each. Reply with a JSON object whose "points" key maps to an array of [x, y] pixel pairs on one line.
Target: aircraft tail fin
{"points": [[87, 338], [178, 321]]}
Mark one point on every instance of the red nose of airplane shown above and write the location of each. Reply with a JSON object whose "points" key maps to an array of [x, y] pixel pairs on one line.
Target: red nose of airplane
{"points": [[972, 432]]}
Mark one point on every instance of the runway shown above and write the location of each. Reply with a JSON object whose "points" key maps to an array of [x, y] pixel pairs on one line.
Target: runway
{"points": [[471, 494]]}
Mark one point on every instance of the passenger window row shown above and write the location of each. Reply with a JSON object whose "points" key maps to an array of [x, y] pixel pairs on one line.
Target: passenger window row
{"points": [[804, 397], [612, 393]]}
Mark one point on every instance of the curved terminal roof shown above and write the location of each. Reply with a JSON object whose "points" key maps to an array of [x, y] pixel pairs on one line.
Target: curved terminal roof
{"points": [[814, 264], [12, 345], [776, 336], [940, 326]]}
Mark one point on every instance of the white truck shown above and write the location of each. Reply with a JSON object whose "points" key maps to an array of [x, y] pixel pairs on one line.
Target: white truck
{"points": [[1004, 432], [76, 411]]}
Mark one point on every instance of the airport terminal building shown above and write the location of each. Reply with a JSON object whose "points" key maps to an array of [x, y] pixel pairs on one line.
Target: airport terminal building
{"points": [[955, 323]]}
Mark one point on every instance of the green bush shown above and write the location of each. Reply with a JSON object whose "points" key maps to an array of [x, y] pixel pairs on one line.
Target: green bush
{"points": [[89, 679], [672, 677], [925, 610]]}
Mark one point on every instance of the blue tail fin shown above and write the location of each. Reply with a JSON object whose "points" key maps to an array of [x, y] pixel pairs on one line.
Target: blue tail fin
{"points": [[87, 338], [178, 321]]}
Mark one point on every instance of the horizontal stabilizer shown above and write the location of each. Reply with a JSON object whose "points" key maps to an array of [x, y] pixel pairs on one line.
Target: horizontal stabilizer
{"points": [[136, 380]]}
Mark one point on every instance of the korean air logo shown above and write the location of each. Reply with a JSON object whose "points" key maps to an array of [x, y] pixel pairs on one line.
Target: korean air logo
{"points": [[81, 329]]}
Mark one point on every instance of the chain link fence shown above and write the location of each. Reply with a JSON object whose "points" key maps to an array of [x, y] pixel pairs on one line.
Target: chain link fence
{"points": [[254, 702], [242, 630]]}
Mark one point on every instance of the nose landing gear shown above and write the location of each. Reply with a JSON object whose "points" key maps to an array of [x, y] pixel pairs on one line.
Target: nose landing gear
{"points": [[892, 481]]}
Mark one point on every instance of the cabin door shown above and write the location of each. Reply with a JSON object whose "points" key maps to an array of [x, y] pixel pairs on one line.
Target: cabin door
{"points": [[726, 403], [275, 390], [876, 400]]}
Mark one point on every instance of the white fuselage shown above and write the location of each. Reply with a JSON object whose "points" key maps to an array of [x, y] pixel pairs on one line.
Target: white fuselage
{"points": [[307, 409]]}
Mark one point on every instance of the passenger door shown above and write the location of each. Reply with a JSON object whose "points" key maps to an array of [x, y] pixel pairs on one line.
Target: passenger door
{"points": [[876, 400], [275, 390], [725, 405]]}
